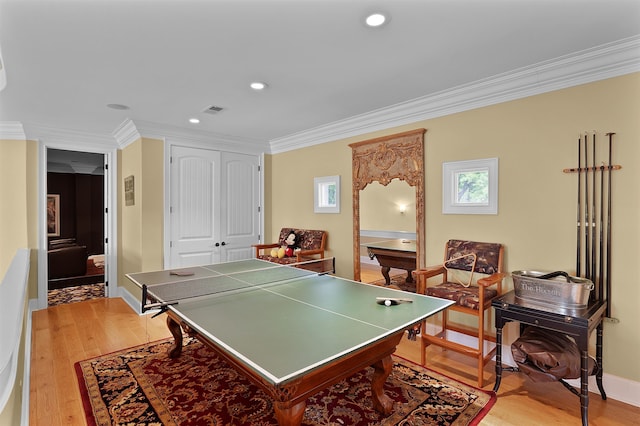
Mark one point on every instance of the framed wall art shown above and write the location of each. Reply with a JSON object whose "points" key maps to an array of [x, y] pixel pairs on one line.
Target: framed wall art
{"points": [[129, 191], [53, 215]]}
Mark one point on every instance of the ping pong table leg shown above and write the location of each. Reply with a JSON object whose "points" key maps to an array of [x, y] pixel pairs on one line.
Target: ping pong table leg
{"points": [[381, 402], [176, 331], [290, 415]]}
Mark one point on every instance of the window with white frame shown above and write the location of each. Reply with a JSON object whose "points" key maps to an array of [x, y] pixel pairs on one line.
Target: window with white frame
{"points": [[470, 187]]}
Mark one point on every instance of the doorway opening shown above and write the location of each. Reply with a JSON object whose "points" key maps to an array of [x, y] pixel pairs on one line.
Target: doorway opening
{"points": [[75, 226]]}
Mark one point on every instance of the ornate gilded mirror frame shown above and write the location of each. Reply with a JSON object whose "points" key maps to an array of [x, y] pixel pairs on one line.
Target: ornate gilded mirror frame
{"points": [[381, 160]]}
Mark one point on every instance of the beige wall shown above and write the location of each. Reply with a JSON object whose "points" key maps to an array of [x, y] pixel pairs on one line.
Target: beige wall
{"points": [[13, 193], [535, 139], [140, 226], [380, 207], [18, 229]]}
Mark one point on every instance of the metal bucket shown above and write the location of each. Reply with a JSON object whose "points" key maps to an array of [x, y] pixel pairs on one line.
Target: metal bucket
{"points": [[556, 288]]}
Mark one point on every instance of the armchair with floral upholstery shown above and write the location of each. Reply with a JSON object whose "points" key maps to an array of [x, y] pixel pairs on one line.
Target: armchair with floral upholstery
{"points": [[311, 245], [472, 296]]}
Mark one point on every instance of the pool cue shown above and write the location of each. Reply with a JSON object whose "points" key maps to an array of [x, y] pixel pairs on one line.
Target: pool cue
{"points": [[608, 281], [587, 233], [601, 265], [592, 222], [579, 221]]}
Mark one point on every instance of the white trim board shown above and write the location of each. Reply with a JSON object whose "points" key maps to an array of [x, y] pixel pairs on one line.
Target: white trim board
{"points": [[618, 388], [599, 63]]}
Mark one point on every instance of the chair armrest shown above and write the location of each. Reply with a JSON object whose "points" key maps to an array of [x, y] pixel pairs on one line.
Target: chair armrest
{"points": [[263, 246], [421, 276], [491, 280], [430, 271], [302, 253]]}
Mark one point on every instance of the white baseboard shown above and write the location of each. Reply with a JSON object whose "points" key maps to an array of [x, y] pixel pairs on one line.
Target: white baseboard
{"points": [[388, 235], [134, 303], [26, 378], [130, 299], [618, 388]]}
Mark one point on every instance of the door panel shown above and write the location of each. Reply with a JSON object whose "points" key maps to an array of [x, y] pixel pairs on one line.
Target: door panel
{"points": [[239, 212], [194, 193], [214, 206]]}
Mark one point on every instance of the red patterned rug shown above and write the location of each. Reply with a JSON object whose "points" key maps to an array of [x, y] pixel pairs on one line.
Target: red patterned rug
{"points": [[399, 282], [142, 386]]}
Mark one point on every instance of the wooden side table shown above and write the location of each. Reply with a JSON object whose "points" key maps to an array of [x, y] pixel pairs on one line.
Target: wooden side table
{"points": [[577, 323]]}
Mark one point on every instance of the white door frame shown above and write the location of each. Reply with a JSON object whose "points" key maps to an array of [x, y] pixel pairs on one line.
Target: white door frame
{"points": [[202, 144], [82, 144]]}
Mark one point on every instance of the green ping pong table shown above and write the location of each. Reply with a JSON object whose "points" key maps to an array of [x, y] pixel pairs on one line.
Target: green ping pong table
{"points": [[292, 331]]}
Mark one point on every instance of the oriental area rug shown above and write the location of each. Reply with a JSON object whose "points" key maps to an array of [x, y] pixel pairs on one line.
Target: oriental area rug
{"points": [[398, 282], [75, 294], [143, 386]]}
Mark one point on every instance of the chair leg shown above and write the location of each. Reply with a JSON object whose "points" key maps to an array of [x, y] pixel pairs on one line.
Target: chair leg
{"points": [[445, 317], [481, 346], [423, 347], [480, 370]]}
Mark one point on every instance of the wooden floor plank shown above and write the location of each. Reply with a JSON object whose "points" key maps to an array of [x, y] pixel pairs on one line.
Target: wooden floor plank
{"points": [[65, 334]]}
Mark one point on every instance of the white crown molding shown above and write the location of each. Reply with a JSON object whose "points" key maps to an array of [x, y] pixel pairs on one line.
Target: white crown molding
{"points": [[599, 63], [126, 133], [74, 139], [12, 130], [130, 131]]}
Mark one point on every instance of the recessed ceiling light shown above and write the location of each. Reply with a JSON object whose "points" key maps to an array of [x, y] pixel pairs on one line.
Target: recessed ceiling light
{"points": [[117, 106], [194, 121], [258, 85], [376, 19]]}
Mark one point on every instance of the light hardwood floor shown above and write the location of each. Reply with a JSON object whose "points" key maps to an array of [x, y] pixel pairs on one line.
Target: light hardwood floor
{"points": [[65, 334]]}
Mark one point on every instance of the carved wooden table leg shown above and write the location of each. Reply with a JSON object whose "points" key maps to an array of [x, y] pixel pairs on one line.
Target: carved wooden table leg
{"points": [[176, 331], [290, 415], [385, 274], [381, 402], [409, 277]]}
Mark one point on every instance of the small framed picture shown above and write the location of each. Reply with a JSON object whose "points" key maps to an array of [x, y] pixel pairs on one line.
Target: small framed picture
{"points": [[129, 191], [53, 215]]}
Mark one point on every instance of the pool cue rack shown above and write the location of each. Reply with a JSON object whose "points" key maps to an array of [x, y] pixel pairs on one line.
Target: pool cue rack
{"points": [[593, 225]]}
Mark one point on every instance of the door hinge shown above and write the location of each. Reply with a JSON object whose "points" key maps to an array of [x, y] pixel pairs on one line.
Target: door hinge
{"points": [[106, 241], [106, 166], [259, 209], [259, 168], [170, 244]]}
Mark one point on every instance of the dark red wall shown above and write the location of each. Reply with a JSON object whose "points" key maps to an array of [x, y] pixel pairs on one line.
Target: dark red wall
{"points": [[81, 208]]}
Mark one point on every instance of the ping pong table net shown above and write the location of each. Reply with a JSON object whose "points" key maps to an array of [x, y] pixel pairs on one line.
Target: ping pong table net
{"points": [[182, 284]]}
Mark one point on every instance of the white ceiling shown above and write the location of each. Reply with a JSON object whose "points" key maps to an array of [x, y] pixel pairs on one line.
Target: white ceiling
{"points": [[169, 60]]}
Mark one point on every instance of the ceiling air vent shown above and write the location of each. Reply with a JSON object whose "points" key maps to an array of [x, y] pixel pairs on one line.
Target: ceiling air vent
{"points": [[213, 109]]}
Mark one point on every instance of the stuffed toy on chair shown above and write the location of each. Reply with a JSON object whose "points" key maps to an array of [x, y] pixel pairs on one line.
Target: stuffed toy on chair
{"points": [[289, 248]]}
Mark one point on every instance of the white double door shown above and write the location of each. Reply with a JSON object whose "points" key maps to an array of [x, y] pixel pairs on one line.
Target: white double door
{"points": [[215, 206]]}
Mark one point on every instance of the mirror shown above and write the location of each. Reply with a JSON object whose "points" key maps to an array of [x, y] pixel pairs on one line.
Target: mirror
{"points": [[381, 160], [388, 222]]}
